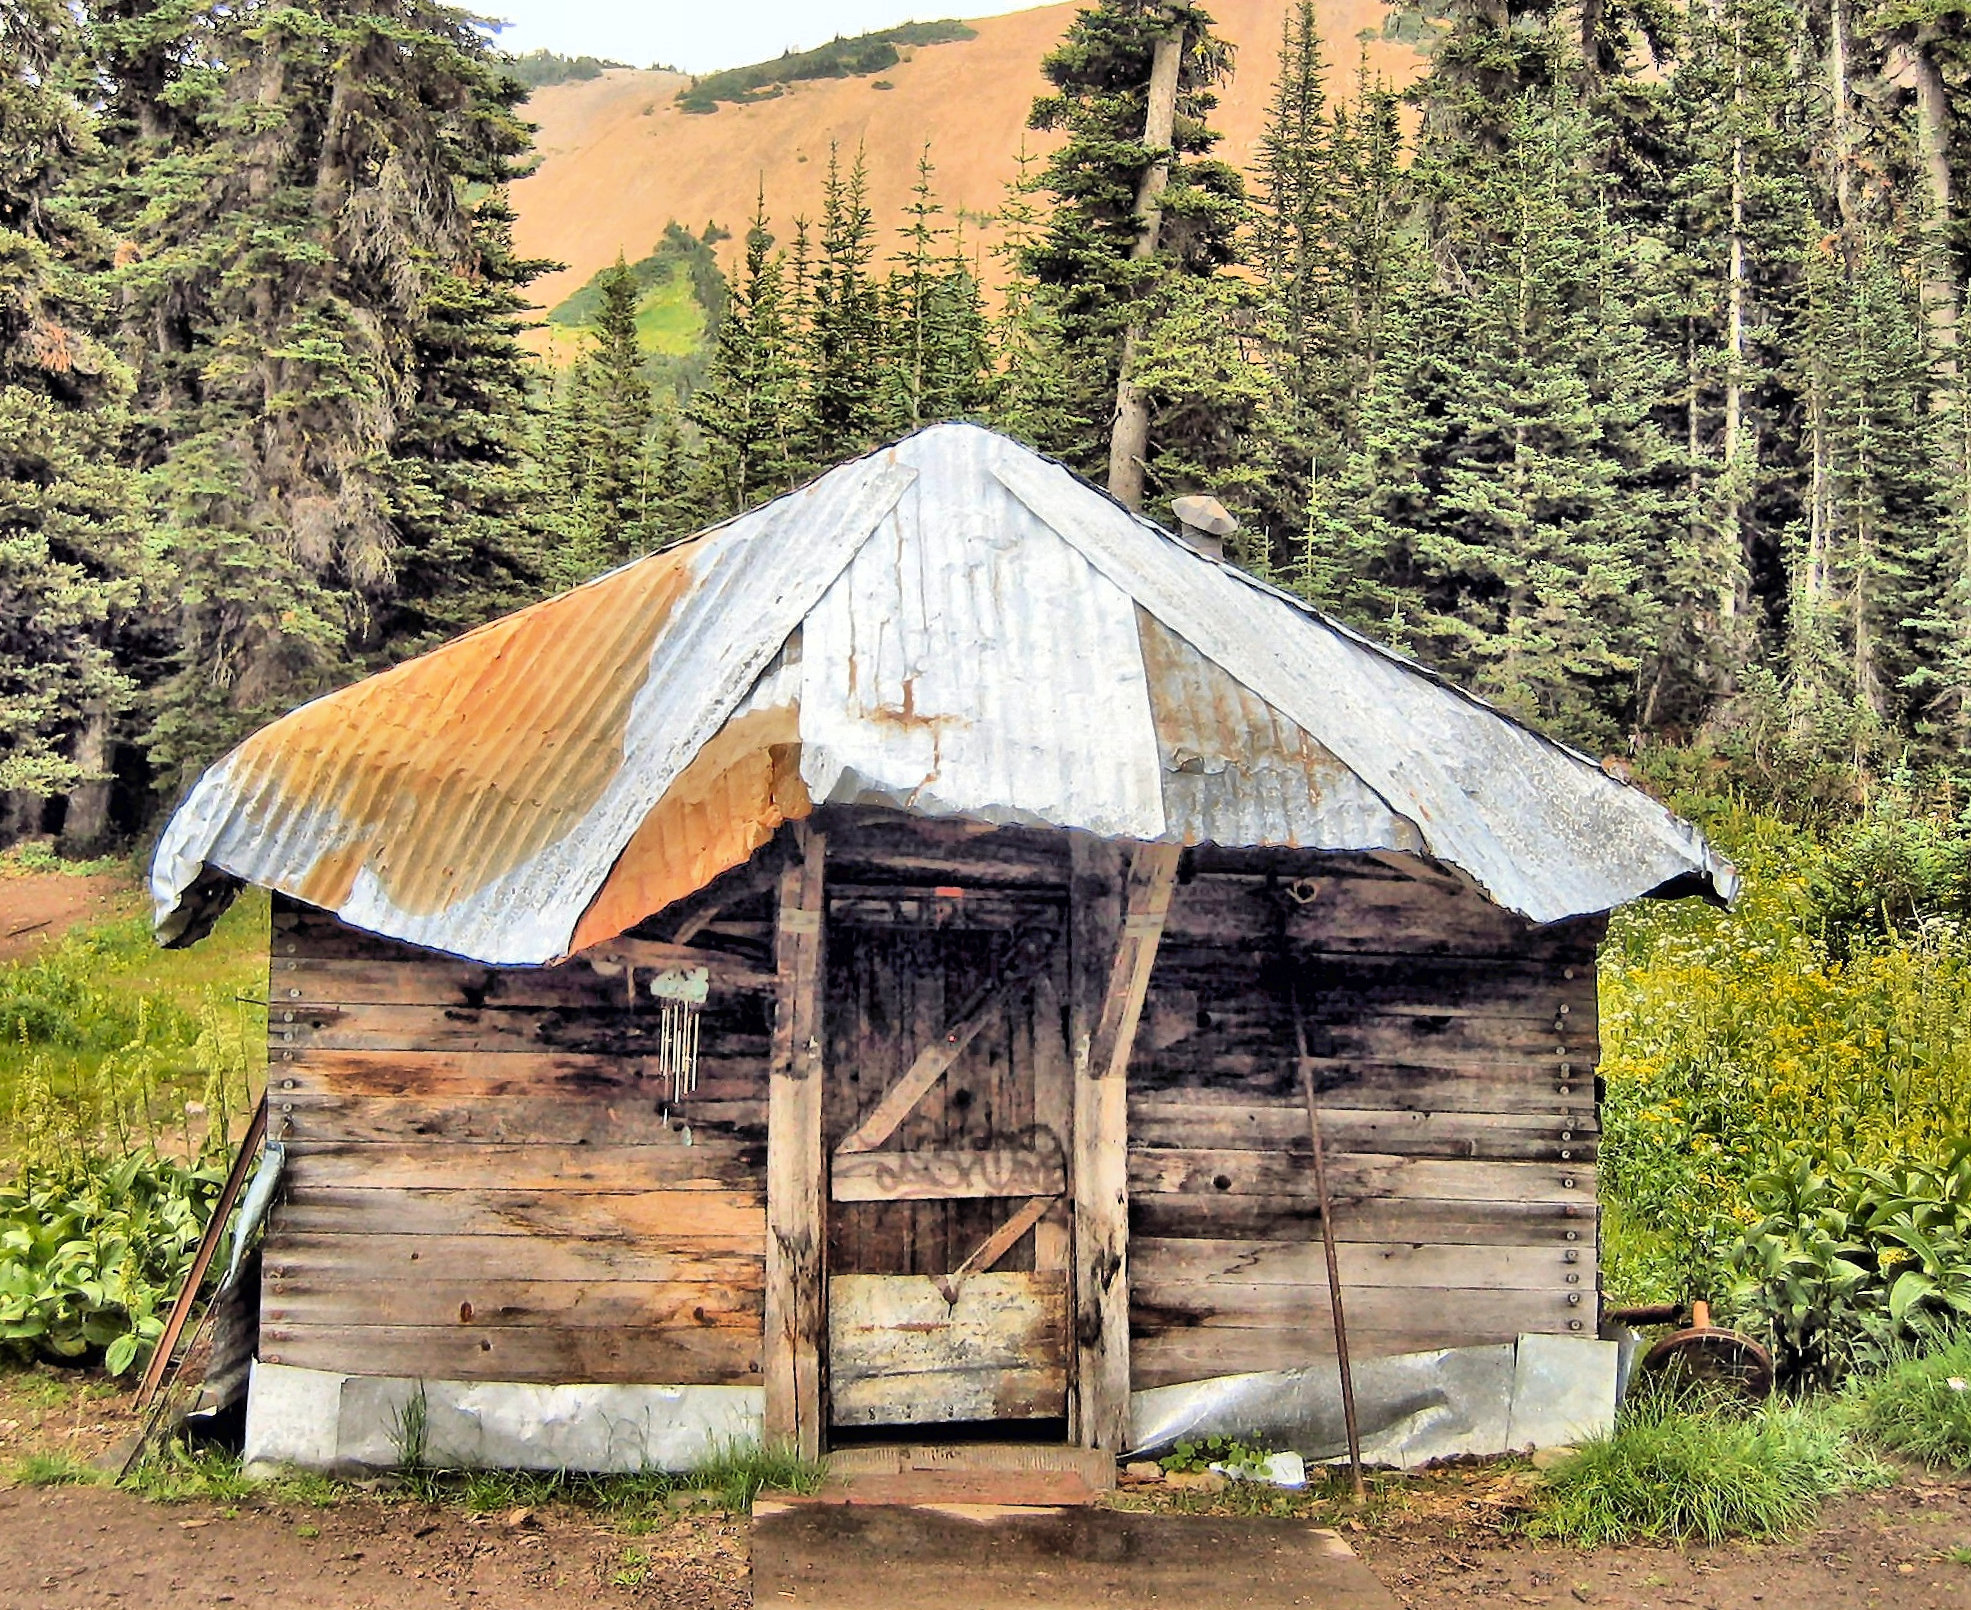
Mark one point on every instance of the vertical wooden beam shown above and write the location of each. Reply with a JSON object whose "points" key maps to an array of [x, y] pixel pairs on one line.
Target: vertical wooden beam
{"points": [[797, 1237], [1053, 1107], [1117, 921]]}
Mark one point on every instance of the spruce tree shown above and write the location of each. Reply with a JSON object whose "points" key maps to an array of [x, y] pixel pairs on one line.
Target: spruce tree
{"points": [[842, 337], [744, 409], [307, 237], [70, 549], [1083, 259], [617, 481]]}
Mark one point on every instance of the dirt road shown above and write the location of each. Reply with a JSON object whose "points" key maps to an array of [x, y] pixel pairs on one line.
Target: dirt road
{"points": [[37, 908], [63, 1549]]}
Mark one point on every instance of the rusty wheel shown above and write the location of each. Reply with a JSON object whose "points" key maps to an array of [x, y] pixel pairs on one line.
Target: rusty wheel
{"points": [[1710, 1355]]}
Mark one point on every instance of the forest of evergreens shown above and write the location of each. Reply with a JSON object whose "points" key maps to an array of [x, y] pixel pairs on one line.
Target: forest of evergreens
{"points": [[1612, 368]]}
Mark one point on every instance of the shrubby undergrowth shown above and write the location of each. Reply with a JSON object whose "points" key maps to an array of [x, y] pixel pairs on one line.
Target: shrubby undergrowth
{"points": [[1788, 1084]]}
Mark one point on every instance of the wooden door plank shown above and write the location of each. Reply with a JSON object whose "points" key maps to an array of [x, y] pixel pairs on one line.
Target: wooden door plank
{"points": [[942, 1176], [1053, 1108], [930, 1065], [995, 1246], [796, 1224]]}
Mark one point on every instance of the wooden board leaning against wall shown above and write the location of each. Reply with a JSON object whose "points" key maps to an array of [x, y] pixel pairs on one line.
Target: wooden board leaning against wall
{"points": [[483, 1184], [1454, 1049]]}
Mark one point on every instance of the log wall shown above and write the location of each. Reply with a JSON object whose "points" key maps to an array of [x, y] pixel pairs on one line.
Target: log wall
{"points": [[483, 1183], [1454, 1050]]}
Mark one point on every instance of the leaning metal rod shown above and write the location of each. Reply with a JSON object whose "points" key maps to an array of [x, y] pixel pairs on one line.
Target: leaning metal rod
{"points": [[1328, 1245]]}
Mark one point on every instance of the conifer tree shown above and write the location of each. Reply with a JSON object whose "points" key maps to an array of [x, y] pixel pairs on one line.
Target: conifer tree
{"points": [[937, 361], [331, 186], [842, 335], [1083, 261], [69, 540], [617, 485], [744, 409], [1501, 505]]}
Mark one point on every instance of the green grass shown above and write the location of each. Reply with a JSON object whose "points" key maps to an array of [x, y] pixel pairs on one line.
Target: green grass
{"points": [[669, 317], [1921, 1406], [1682, 1470], [175, 1473], [54, 1470], [108, 1037], [857, 57]]}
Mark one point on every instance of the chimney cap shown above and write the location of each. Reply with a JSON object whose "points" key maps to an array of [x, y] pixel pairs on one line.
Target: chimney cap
{"points": [[1204, 514]]}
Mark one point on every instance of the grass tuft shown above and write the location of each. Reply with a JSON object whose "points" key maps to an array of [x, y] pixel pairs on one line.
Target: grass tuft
{"points": [[55, 1469], [175, 1473], [739, 1470], [1921, 1405], [1676, 1470]]}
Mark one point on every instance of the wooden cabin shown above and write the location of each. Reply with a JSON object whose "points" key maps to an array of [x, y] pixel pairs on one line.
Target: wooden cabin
{"points": [[1027, 860]]}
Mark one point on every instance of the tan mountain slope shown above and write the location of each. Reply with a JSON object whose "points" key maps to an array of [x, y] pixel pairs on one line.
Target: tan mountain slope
{"points": [[620, 159]]}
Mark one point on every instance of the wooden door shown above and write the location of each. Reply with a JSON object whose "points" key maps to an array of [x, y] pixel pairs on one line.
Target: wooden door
{"points": [[946, 1112]]}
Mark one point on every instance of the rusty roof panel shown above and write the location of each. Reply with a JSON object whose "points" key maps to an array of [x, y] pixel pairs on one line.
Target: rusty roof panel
{"points": [[1237, 772], [953, 625]]}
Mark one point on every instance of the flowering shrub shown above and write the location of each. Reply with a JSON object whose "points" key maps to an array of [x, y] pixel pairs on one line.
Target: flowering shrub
{"points": [[1736, 1043]]}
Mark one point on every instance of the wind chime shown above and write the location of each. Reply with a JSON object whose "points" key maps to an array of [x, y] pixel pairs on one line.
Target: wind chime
{"points": [[680, 993]]}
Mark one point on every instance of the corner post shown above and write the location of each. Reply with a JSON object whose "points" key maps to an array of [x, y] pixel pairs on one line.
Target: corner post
{"points": [[796, 1226], [1117, 922]]}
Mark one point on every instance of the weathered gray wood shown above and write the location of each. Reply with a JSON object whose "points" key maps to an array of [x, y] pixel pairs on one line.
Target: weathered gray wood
{"points": [[1158, 1262], [450, 1075], [797, 1235], [930, 1176], [1485, 1135], [997, 1245], [324, 1257], [1116, 926], [701, 1220], [1422, 1220], [614, 957], [1053, 1109], [596, 1030], [1157, 1306], [711, 1165], [489, 1302], [1355, 1175], [983, 1007], [696, 1356], [644, 1118], [899, 1350]]}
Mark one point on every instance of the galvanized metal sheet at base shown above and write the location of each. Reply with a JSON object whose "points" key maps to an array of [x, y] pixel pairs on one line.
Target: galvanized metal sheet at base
{"points": [[1413, 1409], [954, 626]]}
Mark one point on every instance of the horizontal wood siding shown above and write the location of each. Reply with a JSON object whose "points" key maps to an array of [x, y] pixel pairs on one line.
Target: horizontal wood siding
{"points": [[484, 1182], [1453, 1049]]}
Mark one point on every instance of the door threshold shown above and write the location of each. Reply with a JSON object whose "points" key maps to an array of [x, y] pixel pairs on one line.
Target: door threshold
{"points": [[926, 1471]]}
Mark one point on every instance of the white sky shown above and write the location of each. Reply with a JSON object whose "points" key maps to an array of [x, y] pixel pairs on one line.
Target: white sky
{"points": [[701, 36]]}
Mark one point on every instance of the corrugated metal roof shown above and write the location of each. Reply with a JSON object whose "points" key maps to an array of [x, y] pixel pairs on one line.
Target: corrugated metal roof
{"points": [[954, 625]]}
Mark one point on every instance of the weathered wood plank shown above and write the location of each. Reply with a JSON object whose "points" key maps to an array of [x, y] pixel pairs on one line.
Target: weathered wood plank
{"points": [[983, 1007], [296, 1299], [615, 957], [995, 1246], [1199, 1353], [642, 1118], [1355, 1175], [1240, 1078], [1046, 1049], [312, 1255], [1158, 1306], [1417, 1219], [1158, 1262], [697, 1356], [1117, 925], [930, 1176], [944, 1397], [713, 1165], [797, 1224], [900, 1352], [701, 1220], [447, 1075], [1488, 1136], [599, 1030]]}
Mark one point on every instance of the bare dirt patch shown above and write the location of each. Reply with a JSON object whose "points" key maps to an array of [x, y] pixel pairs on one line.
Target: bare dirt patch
{"points": [[37, 908], [67, 1548]]}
